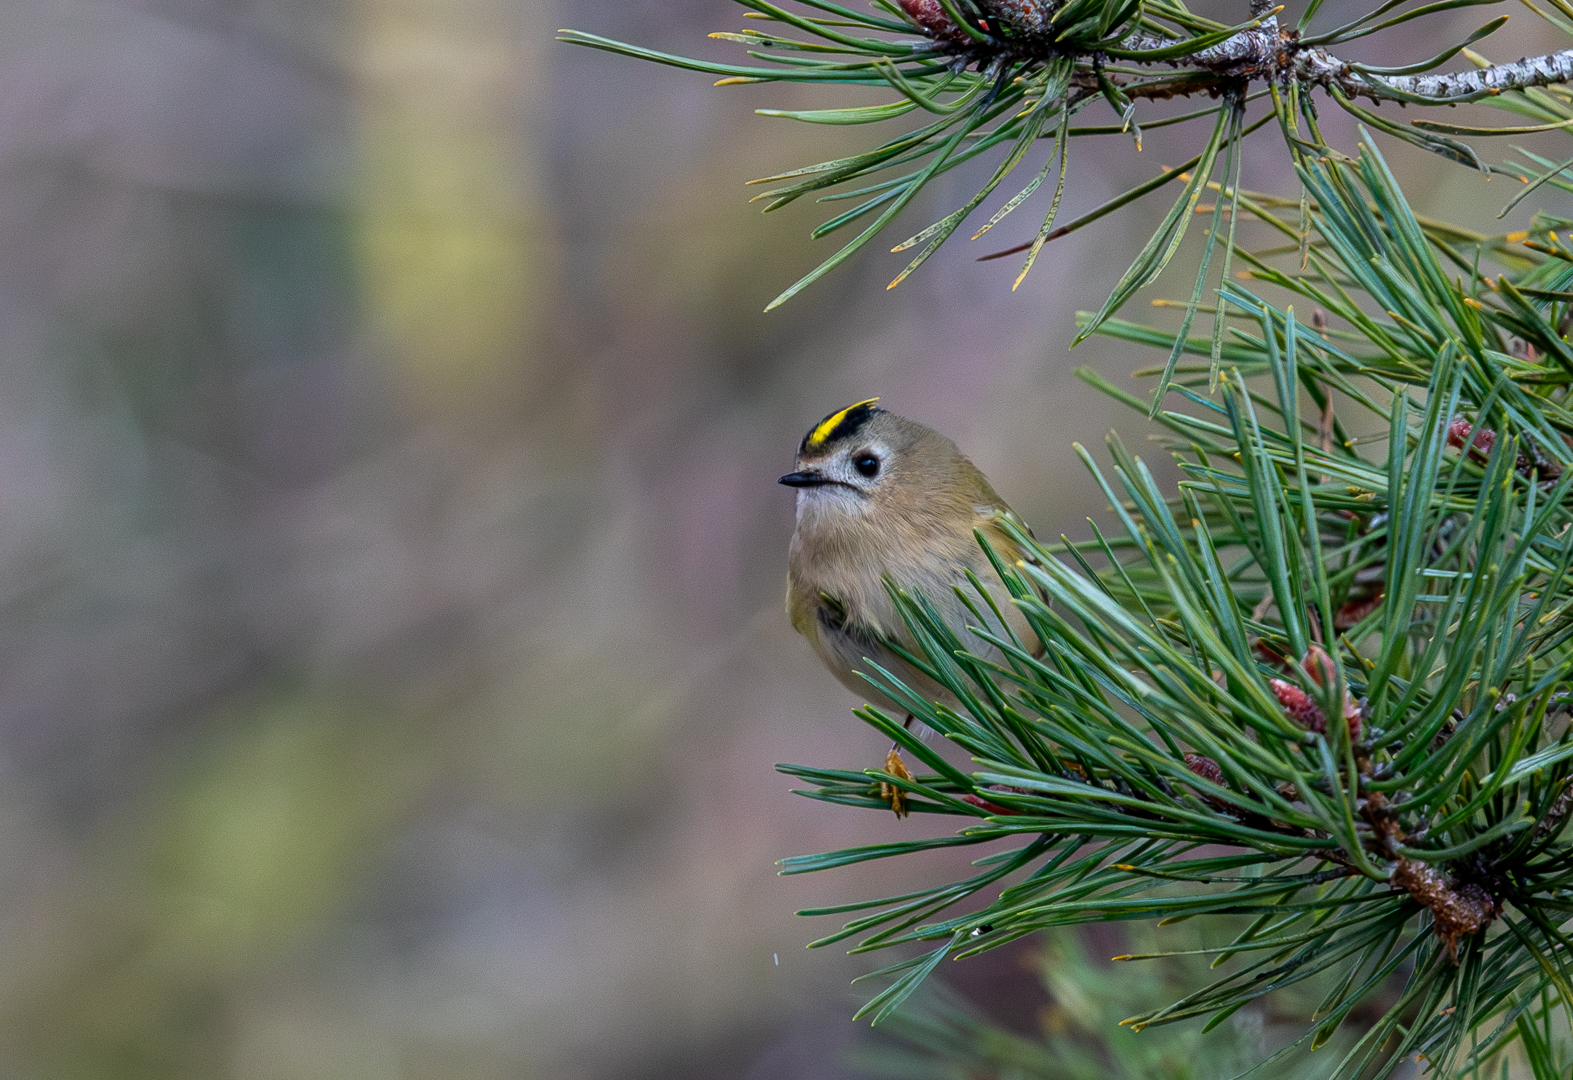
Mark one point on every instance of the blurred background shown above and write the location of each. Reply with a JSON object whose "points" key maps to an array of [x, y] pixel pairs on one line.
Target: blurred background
{"points": [[390, 549]]}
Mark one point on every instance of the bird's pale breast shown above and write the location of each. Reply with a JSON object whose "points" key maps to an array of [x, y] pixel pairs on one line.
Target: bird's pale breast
{"points": [[838, 601]]}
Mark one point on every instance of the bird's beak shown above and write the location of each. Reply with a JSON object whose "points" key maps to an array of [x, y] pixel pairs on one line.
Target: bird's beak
{"points": [[806, 478]]}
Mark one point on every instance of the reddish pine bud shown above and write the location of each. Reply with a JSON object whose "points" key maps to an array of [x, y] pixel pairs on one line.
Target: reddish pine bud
{"points": [[1298, 706], [1355, 610], [1204, 767], [1531, 459], [932, 20], [1458, 434], [1207, 769], [1267, 654], [1319, 666]]}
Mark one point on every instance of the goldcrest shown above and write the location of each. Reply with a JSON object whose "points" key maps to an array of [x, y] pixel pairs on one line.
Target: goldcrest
{"points": [[880, 496]]}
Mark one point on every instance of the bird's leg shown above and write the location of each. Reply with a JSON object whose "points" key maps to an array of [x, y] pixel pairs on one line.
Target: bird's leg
{"points": [[896, 767]]}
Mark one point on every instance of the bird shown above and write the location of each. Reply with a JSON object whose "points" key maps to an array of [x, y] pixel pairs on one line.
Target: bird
{"points": [[883, 498]]}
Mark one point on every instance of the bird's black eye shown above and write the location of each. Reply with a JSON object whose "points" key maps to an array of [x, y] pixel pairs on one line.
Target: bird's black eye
{"points": [[866, 463]]}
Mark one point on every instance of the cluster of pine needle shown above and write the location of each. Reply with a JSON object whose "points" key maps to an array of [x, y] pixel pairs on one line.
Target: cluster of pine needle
{"points": [[1317, 697], [1324, 688]]}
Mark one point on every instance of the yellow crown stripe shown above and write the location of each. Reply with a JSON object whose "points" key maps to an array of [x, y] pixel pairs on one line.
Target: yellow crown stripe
{"points": [[817, 437]]}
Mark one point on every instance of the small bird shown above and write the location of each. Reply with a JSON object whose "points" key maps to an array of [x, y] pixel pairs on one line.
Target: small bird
{"points": [[880, 496]]}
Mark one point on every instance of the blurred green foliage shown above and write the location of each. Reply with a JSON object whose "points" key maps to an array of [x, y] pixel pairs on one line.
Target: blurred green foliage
{"points": [[251, 844], [387, 437], [937, 1035]]}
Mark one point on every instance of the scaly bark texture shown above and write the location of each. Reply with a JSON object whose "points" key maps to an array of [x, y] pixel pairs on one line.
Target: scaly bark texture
{"points": [[1264, 52]]}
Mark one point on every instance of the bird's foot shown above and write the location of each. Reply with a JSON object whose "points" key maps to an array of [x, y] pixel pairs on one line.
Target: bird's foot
{"points": [[890, 792]]}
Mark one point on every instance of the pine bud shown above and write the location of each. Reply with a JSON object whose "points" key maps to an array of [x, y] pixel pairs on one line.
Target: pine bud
{"points": [[1298, 706], [1303, 709], [1455, 911], [932, 20], [1531, 459], [1204, 767], [1264, 651], [1319, 666], [1458, 432], [1355, 609], [1207, 769]]}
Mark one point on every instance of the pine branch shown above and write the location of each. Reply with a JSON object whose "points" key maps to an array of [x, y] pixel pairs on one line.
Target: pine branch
{"points": [[1175, 752], [1549, 70], [1322, 687], [1270, 54], [997, 74]]}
